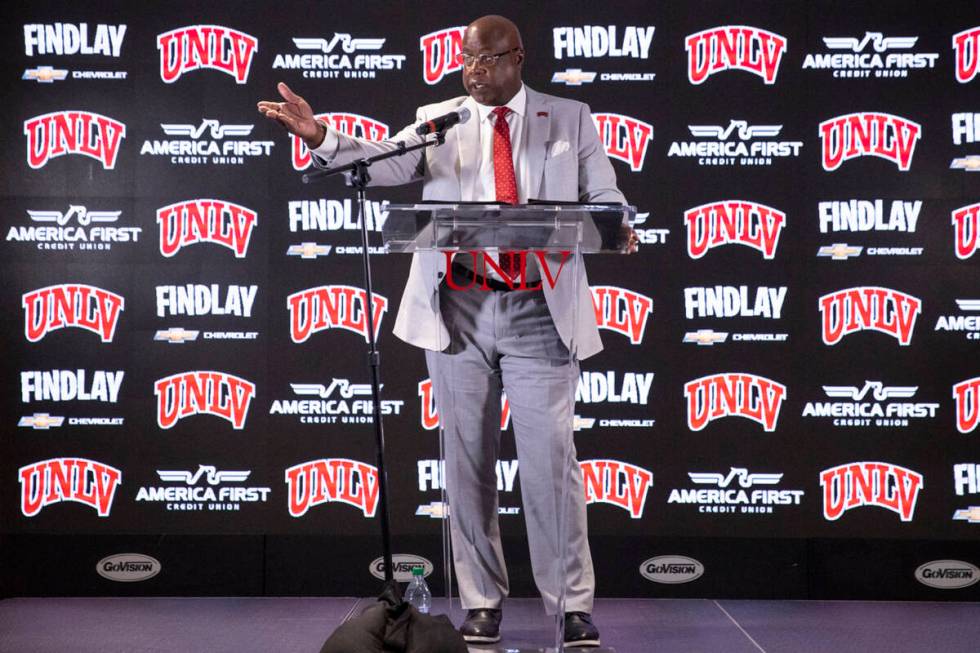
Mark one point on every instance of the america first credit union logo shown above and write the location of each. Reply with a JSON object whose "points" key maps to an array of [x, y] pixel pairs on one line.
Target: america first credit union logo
{"points": [[734, 47], [871, 404], [209, 143], [966, 45], [966, 227], [206, 488], [57, 480], [873, 54], [349, 124], [966, 394], [733, 394], [203, 393], [215, 47], [622, 311], [439, 53], [967, 323], [879, 484], [868, 308], [733, 222], [737, 492], [855, 135], [624, 138], [77, 228], [61, 133], [71, 305], [338, 402], [205, 221], [340, 56], [330, 480], [738, 143]]}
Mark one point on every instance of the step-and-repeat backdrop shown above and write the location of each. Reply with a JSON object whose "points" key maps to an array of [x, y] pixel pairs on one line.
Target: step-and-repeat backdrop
{"points": [[787, 403]]}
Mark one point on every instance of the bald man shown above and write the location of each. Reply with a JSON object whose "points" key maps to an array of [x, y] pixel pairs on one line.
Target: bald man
{"points": [[518, 144]]}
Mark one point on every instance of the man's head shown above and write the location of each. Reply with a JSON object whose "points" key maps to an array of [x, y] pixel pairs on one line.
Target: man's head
{"points": [[495, 84]]}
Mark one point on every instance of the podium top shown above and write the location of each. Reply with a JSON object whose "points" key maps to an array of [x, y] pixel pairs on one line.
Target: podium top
{"points": [[586, 228]]}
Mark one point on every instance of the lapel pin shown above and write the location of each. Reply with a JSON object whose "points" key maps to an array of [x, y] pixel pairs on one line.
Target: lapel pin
{"points": [[542, 114]]}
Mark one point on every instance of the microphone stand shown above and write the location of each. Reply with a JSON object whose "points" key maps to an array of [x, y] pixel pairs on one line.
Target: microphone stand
{"points": [[358, 178]]}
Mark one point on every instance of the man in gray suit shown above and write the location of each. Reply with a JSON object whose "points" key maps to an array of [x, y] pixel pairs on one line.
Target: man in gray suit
{"points": [[518, 144]]}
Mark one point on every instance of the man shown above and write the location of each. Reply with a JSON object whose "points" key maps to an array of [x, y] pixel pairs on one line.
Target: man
{"points": [[518, 144]]}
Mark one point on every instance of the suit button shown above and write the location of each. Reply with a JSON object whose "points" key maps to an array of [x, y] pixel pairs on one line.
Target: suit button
{"points": [[441, 275]]}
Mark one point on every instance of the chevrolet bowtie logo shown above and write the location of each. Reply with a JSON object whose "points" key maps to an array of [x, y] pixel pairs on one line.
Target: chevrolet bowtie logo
{"points": [[434, 510], [41, 421], [705, 337], [840, 251], [176, 335], [308, 250], [45, 74], [573, 77], [579, 423], [971, 514], [969, 163]]}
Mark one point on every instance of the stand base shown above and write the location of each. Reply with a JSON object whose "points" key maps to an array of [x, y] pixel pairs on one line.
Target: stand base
{"points": [[497, 648]]}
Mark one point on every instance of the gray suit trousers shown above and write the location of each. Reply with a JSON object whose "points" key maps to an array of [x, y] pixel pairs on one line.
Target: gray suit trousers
{"points": [[508, 341]]}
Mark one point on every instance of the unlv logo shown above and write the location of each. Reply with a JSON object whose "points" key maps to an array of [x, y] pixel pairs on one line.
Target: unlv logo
{"points": [[868, 134], [205, 46], [734, 47], [966, 226], [617, 483], [867, 308], [205, 221], [332, 307], [966, 44], [350, 124], [621, 310], [869, 484], [71, 305], [52, 481], [733, 395], [439, 50], [429, 415], [198, 393], [73, 132], [624, 138], [332, 479], [733, 222], [967, 409]]}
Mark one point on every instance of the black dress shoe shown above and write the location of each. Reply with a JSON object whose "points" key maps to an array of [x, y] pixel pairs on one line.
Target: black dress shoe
{"points": [[579, 630], [482, 626]]}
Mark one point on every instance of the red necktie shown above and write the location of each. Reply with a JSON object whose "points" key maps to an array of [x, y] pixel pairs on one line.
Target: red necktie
{"points": [[504, 179]]}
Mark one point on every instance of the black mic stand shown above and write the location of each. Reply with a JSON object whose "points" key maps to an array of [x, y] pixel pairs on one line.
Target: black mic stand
{"points": [[358, 178]]}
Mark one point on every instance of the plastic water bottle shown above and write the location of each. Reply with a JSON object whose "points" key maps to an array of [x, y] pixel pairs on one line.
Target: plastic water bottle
{"points": [[417, 593]]}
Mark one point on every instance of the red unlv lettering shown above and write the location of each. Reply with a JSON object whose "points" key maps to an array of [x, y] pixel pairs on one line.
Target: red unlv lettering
{"points": [[327, 480], [439, 50], [733, 222], [624, 138], [429, 414], [71, 305], [206, 46], [67, 479], [622, 311], [349, 124], [210, 221], [617, 483], [966, 226], [733, 395], [868, 308], [735, 47], [333, 307], [73, 132], [966, 45], [868, 134], [967, 411], [869, 484], [198, 393]]}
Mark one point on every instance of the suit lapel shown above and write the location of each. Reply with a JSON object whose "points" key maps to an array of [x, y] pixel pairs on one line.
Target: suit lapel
{"points": [[468, 142], [538, 128]]}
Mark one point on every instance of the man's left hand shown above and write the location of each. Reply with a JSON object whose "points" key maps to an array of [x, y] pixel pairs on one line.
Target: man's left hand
{"points": [[632, 240]]}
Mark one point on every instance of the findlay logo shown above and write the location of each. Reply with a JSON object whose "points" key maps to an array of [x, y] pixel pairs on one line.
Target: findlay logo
{"points": [[736, 222], [341, 401], [70, 385], [734, 47], [965, 394], [73, 39], [854, 135], [206, 46], [966, 226], [858, 484], [197, 393], [439, 52], [617, 483], [593, 41], [71, 305], [861, 57], [966, 45], [624, 138], [858, 406], [53, 230], [342, 56], [200, 299], [73, 132], [333, 307], [349, 124], [432, 475], [733, 301], [205, 221], [329, 480], [52, 481], [429, 414], [746, 150], [969, 325], [868, 308], [334, 215], [858, 216], [195, 497], [733, 394], [622, 311], [727, 499]]}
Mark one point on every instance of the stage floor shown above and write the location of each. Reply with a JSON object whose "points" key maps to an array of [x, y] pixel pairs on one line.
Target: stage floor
{"points": [[300, 625]]}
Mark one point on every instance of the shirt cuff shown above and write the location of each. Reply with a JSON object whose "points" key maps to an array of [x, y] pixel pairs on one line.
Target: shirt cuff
{"points": [[331, 143]]}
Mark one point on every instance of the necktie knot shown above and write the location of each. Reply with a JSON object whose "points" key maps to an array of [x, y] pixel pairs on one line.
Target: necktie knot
{"points": [[501, 112]]}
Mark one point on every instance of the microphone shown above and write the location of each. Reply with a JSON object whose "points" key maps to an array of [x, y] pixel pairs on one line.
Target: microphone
{"points": [[443, 123]]}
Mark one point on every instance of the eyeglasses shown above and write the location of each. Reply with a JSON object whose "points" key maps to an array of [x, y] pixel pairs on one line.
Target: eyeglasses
{"points": [[485, 60]]}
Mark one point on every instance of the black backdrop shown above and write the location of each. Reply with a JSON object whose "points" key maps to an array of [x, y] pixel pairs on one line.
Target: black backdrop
{"points": [[634, 413]]}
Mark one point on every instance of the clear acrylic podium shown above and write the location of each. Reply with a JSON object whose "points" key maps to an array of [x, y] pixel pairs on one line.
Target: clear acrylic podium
{"points": [[553, 237]]}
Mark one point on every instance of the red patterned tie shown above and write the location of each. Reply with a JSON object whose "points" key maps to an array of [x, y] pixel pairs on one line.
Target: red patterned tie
{"points": [[504, 179]]}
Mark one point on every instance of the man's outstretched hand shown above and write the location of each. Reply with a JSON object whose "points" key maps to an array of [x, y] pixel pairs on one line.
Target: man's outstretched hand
{"points": [[295, 115]]}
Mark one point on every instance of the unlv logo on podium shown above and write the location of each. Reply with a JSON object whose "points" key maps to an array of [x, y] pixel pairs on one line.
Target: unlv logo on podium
{"points": [[206, 46], [333, 307], [869, 484], [868, 134], [624, 138], [73, 132], [967, 396], [349, 124], [966, 226], [439, 50], [617, 483], [868, 308], [205, 221], [966, 45], [71, 305], [429, 414], [48, 482], [197, 393], [734, 47], [329, 480], [737, 222], [733, 395]]}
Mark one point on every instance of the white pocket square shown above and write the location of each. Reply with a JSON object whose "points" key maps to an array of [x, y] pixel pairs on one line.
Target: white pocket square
{"points": [[559, 147]]}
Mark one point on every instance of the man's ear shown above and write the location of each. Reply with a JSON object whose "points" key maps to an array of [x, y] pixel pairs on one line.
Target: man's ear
{"points": [[520, 57]]}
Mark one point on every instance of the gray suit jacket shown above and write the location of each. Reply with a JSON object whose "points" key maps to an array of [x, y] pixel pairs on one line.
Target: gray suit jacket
{"points": [[582, 173]]}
